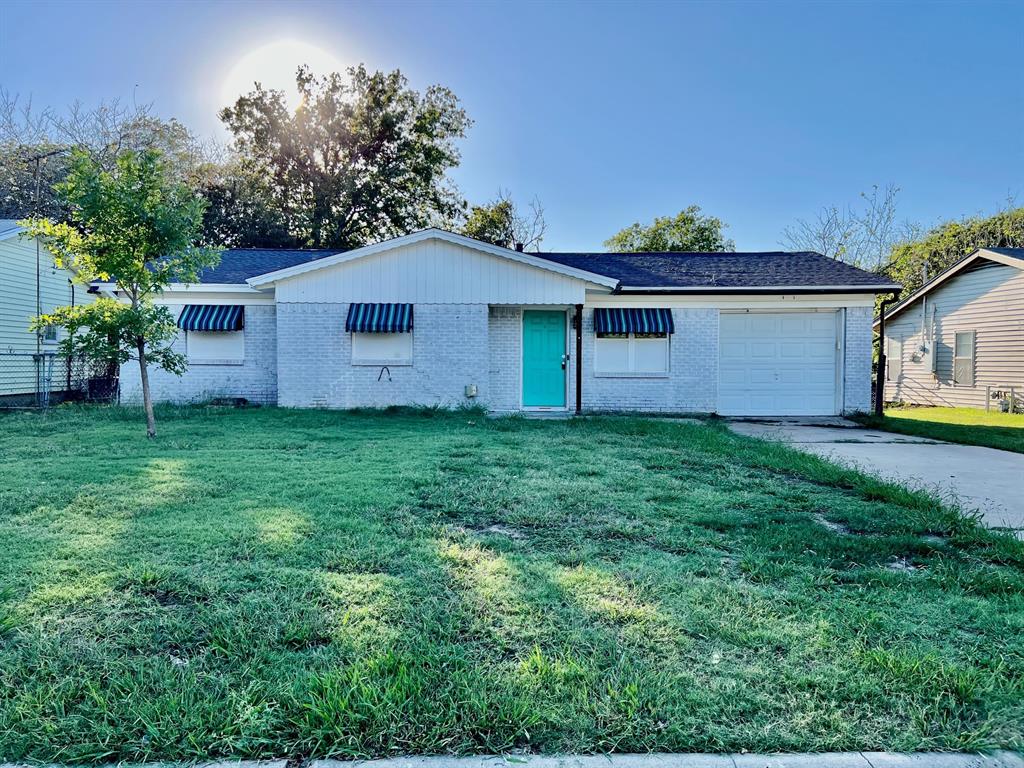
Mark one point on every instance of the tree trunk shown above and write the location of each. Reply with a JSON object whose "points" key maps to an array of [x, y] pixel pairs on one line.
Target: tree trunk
{"points": [[147, 399]]}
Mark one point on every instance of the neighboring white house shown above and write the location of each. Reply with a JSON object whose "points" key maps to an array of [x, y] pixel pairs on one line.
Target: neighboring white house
{"points": [[438, 318], [960, 336], [30, 282]]}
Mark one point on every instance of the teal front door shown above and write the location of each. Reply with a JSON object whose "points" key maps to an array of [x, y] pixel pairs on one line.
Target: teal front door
{"points": [[543, 359]]}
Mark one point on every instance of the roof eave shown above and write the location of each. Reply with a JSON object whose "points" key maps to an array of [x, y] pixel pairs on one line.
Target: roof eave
{"points": [[949, 272], [753, 289]]}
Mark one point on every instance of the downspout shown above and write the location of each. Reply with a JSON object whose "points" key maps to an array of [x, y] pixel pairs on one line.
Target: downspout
{"points": [[880, 373], [578, 322]]}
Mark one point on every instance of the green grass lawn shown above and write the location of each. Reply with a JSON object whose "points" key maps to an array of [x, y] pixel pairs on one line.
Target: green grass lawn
{"points": [[277, 583], [970, 426]]}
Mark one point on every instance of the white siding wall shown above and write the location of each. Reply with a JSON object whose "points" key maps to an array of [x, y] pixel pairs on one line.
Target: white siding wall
{"points": [[18, 307], [432, 272], [987, 299]]}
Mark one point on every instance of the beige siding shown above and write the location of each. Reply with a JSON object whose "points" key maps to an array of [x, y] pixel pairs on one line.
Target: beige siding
{"points": [[987, 299], [18, 307]]}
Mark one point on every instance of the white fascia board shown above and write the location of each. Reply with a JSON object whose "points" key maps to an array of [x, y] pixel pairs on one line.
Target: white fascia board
{"points": [[428, 234], [191, 288], [952, 271], [762, 288], [211, 288], [7, 234]]}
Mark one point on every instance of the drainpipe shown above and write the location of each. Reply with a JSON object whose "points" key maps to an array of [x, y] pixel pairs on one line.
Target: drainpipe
{"points": [[880, 373], [578, 322]]}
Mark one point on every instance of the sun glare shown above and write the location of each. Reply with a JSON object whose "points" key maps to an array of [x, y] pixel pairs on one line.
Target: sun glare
{"points": [[273, 66]]}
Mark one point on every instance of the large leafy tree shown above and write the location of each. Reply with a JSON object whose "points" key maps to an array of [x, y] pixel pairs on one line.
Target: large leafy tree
{"points": [[362, 158], [502, 222], [689, 230], [137, 226], [911, 263]]}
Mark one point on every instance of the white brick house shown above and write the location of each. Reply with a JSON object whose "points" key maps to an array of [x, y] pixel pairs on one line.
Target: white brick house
{"points": [[438, 318]]}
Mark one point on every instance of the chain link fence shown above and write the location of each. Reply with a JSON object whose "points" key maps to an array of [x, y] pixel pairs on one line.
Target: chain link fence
{"points": [[43, 379]]}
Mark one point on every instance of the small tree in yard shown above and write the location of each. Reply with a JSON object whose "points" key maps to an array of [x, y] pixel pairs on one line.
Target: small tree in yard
{"points": [[137, 227]]}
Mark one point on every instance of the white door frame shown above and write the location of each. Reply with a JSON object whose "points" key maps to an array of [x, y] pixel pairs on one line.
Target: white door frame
{"points": [[522, 356]]}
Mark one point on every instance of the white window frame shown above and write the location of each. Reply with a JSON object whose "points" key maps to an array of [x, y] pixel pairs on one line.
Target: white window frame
{"points": [[49, 334], [631, 371], [231, 347], [969, 358], [382, 349], [894, 360]]}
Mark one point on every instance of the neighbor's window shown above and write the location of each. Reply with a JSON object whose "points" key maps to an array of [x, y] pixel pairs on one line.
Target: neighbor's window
{"points": [[382, 348], [49, 333], [215, 347], [963, 358], [894, 360], [631, 353]]}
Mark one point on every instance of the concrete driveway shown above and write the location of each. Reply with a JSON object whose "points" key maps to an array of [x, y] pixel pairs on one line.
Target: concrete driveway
{"points": [[983, 479]]}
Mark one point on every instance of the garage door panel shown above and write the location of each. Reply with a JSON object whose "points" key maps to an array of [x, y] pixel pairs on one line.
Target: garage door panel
{"points": [[777, 364]]}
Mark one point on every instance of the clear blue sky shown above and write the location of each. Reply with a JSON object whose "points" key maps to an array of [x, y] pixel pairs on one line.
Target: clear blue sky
{"points": [[613, 112]]}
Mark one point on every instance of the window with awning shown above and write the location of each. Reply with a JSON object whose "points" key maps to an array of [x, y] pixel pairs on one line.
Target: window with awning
{"points": [[633, 320], [632, 341], [212, 317], [379, 318]]}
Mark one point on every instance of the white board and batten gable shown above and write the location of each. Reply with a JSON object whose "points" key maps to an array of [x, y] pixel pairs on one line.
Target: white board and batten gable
{"points": [[433, 267]]}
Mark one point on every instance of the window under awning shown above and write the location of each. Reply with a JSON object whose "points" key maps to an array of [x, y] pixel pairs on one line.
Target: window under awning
{"points": [[639, 320], [379, 318], [212, 317]]}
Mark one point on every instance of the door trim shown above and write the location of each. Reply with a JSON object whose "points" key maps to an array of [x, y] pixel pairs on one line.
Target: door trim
{"points": [[522, 359]]}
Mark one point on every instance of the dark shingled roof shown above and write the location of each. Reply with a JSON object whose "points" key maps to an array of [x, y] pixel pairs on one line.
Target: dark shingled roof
{"points": [[634, 270], [721, 270], [238, 264]]}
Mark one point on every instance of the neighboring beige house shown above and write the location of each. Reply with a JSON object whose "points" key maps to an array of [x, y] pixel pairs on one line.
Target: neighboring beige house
{"points": [[20, 276], [960, 337]]}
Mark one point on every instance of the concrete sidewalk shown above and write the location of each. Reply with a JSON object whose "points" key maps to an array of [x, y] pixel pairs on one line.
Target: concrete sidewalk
{"points": [[983, 479]]}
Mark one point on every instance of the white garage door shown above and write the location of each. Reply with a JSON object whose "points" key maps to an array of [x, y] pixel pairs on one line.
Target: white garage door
{"points": [[777, 364]]}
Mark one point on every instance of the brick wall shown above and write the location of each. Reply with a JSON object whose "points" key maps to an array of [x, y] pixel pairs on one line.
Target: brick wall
{"points": [[858, 343], [450, 350], [505, 353], [255, 379], [691, 384]]}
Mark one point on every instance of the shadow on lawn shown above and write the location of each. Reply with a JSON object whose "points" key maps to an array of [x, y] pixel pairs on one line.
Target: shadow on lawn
{"points": [[423, 585]]}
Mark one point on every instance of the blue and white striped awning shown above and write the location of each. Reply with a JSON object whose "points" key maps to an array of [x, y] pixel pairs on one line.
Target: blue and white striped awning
{"points": [[379, 318], [633, 321], [211, 317]]}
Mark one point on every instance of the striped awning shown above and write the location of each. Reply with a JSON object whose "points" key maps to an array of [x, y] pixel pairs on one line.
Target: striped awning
{"points": [[211, 317], [379, 318], [644, 320]]}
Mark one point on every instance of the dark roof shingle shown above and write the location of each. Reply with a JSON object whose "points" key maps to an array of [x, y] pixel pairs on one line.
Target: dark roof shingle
{"points": [[721, 270], [238, 264], [634, 270]]}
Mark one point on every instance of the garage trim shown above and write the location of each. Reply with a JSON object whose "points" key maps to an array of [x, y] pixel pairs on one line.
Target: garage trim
{"points": [[839, 349]]}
